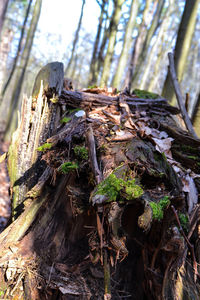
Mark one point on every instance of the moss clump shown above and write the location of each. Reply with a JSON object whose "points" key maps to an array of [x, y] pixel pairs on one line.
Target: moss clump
{"points": [[145, 94], [184, 221], [68, 167], [81, 152], [159, 207], [112, 186], [45, 147], [65, 120]]}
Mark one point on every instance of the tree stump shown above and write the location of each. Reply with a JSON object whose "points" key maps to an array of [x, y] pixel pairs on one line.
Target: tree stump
{"points": [[105, 200]]}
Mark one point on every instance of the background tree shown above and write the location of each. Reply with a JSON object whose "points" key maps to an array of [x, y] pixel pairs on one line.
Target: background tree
{"points": [[93, 74], [20, 73], [112, 39], [127, 41], [75, 42], [3, 8], [183, 43]]}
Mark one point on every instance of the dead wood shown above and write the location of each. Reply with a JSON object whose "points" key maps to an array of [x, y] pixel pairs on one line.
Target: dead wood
{"points": [[105, 200]]}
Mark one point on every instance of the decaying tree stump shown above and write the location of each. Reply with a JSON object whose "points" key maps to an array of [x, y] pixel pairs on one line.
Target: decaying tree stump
{"points": [[105, 198]]}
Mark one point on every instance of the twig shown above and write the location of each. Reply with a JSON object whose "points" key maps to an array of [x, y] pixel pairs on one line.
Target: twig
{"points": [[179, 96], [188, 242], [93, 157]]}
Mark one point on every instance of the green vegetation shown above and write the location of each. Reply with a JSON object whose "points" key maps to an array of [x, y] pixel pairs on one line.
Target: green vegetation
{"points": [[45, 147], [81, 152], [112, 186], [184, 221], [145, 94], [67, 167], [159, 207], [65, 120], [54, 99]]}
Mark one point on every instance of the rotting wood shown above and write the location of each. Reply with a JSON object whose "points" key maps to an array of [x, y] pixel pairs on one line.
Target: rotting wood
{"points": [[84, 212]]}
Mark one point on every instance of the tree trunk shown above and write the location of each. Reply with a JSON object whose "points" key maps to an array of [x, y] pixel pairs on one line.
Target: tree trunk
{"points": [[196, 116], [182, 48], [138, 44], [75, 42], [20, 72], [126, 45], [3, 8], [18, 49], [151, 61], [111, 44], [101, 209], [93, 75], [145, 45]]}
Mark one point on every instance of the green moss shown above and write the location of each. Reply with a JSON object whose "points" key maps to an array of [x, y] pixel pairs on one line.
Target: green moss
{"points": [[54, 99], [81, 152], [65, 120], [193, 157], [68, 167], [92, 86], [184, 221], [112, 186], [45, 147], [145, 94], [159, 207], [72, 110]]}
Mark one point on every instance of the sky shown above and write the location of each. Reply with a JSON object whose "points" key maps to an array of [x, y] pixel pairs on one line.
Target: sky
{"points": [[59, 19]]}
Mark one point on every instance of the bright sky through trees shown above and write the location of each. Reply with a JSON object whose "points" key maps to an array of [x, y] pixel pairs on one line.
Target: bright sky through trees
{"points": [[59, 19]]}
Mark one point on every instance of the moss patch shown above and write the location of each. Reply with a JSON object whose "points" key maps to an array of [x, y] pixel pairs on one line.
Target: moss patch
{"points": [[159, 207], [68, 167], [184, 221], [117, 189], [81, 152], [145, 94], [45, 147], [65, 120]]}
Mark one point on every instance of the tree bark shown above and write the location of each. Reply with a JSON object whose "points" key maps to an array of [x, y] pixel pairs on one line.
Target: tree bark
{"points": [[182, 48], [3, 8], [103, 209]]}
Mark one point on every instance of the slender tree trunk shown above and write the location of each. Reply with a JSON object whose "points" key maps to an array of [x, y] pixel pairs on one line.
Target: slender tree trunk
{"points": [[196, 116], [93, 75], [3, 8], [182, 48], [126, 44], [111, 44], [22, 69], [145, 46], [5, 46], [18, 49], [150, 62], [138, 44], [75, 42]]}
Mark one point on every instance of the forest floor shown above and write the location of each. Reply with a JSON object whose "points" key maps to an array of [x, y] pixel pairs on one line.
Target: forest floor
{"points": [[5, 210]]}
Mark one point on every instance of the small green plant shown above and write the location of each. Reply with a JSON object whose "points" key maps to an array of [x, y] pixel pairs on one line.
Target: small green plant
{"points": [[81, 152], [145, 94], [67, 167], [65, 120], [44, 147], [184, 221], [159, 207], [112, 186]]}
